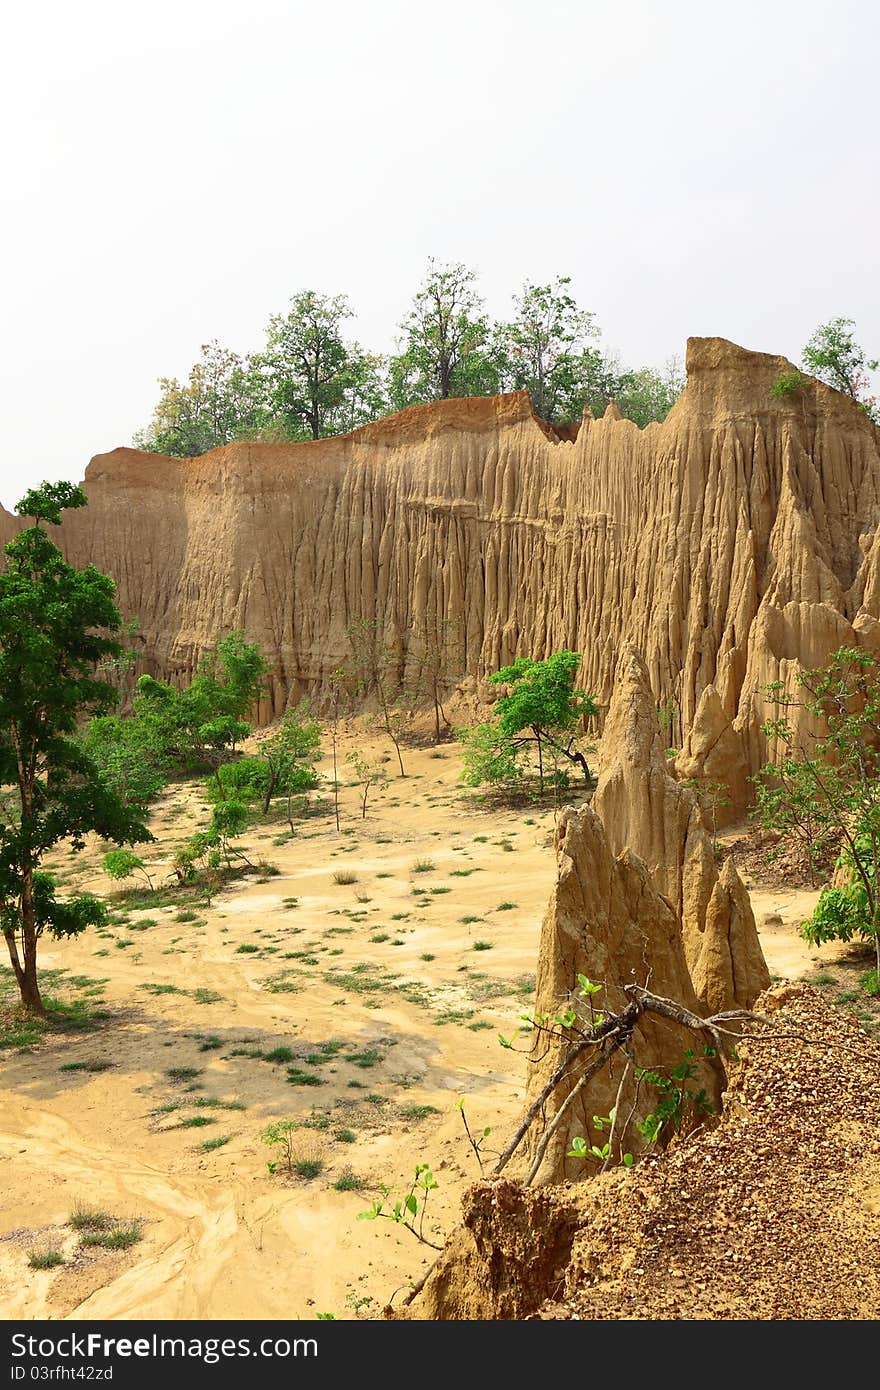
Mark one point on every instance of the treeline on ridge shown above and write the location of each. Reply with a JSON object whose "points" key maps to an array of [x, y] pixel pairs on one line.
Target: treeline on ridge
{"points": [[310, 381]]}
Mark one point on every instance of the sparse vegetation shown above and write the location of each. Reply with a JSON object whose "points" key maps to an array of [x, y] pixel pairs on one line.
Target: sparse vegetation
{"points": [[47, 1258]]}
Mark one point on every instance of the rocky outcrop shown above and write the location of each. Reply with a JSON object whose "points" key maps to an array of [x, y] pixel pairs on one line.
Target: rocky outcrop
{"points": [[606, 920], [731, 542], [726, 962], [645, 810], [713, 758]]}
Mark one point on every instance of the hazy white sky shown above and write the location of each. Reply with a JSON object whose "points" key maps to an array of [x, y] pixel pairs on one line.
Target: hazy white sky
{"points": [[174, 171]]}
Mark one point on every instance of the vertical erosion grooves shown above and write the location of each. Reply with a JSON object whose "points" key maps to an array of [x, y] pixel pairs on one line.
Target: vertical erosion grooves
{"points": [[729, 543]]}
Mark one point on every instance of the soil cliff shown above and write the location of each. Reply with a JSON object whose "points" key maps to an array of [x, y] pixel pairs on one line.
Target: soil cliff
{"points": [[728, 543]]}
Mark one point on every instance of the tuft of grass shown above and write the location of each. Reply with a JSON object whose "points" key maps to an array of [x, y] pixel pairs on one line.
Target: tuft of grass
{"points": [[119, 1237], [297, 1077], [246, 948], [379, 937], [48, 1258], [84, 1218], [186, 914], [368, 1058], [308, 1167], [426, 955], [823, 979], [345, 876], [93, 1064], [161, 989], [423, 866], [197, 1121], [183, 1073], [870, 982], [483, 945], [348, 1181], [206, 996], [279, 1054], [454, 1016], [442, 889], [505, 907], [466, 921], [208, 1145], [345, 1136], [417, 1112]]}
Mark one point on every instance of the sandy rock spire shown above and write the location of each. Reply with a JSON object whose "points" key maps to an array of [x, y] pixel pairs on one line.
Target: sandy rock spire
{"points": [[644, 809], [606, 920]]}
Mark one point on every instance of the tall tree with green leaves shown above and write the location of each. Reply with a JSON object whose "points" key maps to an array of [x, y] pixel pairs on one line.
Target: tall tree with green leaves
{"points": [[834, 356], [315, 383], [446, 347], [547, 348], [56, 626], [218, 403]]}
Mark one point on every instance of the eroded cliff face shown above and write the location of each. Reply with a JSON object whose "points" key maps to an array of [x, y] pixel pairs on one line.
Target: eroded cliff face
{"points": [[729, 543]]}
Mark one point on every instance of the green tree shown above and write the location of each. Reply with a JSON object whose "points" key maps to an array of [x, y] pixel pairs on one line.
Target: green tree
{"points": [[219, 402], [201, 724], [315, 383], [826, 787], [542, 712], [834, 356], [289, 754], [647, 395], [446, 345], [546, 350], [132, 753], [56, 626]]}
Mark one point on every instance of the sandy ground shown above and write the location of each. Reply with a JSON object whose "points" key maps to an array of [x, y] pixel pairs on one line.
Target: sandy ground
{"points": [[447, 956]]}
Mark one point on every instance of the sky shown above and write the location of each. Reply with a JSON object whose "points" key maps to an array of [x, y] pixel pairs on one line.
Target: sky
{"points": [[174, 172]]}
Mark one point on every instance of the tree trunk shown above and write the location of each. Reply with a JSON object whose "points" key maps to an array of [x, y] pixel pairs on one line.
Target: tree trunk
{"points": [[270, 791], [26, 974], [30, 989]]}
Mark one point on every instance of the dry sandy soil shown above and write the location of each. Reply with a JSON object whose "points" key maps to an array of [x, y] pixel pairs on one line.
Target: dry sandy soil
{"points": [[388, 991]]}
